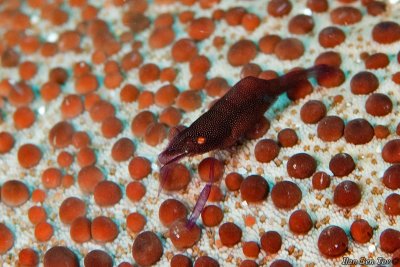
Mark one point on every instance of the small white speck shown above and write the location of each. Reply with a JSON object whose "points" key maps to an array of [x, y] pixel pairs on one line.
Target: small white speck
{"points": [[52, 37], [371, 248], [307, 11], [34, 19], [42, 110]]}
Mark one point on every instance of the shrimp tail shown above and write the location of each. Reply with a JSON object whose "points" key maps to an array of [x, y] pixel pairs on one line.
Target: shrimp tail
{"points": [[293, 77], [201, 201]]}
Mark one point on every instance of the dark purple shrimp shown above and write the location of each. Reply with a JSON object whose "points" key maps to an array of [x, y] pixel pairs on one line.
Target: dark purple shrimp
{"points": [[228, 120]]}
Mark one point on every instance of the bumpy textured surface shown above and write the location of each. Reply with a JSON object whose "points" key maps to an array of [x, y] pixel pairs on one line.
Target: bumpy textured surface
{"points": [[132, 28]]}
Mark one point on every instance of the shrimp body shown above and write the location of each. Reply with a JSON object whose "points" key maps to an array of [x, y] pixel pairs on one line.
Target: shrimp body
{"points": [[228, 120], [233, 115]]}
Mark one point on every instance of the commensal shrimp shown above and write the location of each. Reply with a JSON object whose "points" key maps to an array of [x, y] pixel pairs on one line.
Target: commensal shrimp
{"points": [[228, 120]]}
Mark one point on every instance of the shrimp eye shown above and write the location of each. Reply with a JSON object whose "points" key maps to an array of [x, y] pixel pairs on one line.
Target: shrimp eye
{"points": [[200, 140]]}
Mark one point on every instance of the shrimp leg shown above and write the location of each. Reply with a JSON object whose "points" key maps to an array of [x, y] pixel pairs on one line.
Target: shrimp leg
{"points": [[201, 201]]}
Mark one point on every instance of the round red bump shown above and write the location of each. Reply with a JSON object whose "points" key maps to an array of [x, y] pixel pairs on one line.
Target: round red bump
{"points": [[254, 189], [98, 258], [286, 195], [361, 231], [300, 222], [301, 24], [330, 128], [389, 240], [312, 111], [230, 234], [103, 229], [301, 166], [392, 204], [271, 242], [89, 177], [43, 231], [234, 15], [341, 164], [147, 249], [391, 177], [345, 15], [321, 180], [122, 149], [140, 123], [317, 6], [70, 209], [287, 137], [80, 230], [204, 169], [107, 193], [212, 215], [170, 211], [7, 239], [6, 142], [183, 237], [386, 32], [181, 260], [14, 193], [28, 257], [183, 50], [135, 222], [135, 191], [201, 28], [266, 150], [58, 254], [347, 194], [241, 52], [233, 181], [86, 157], [139, 168], [61, 134], [268, 42], [332, 241], [279, 8], [358, 132], [51, 178]]}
